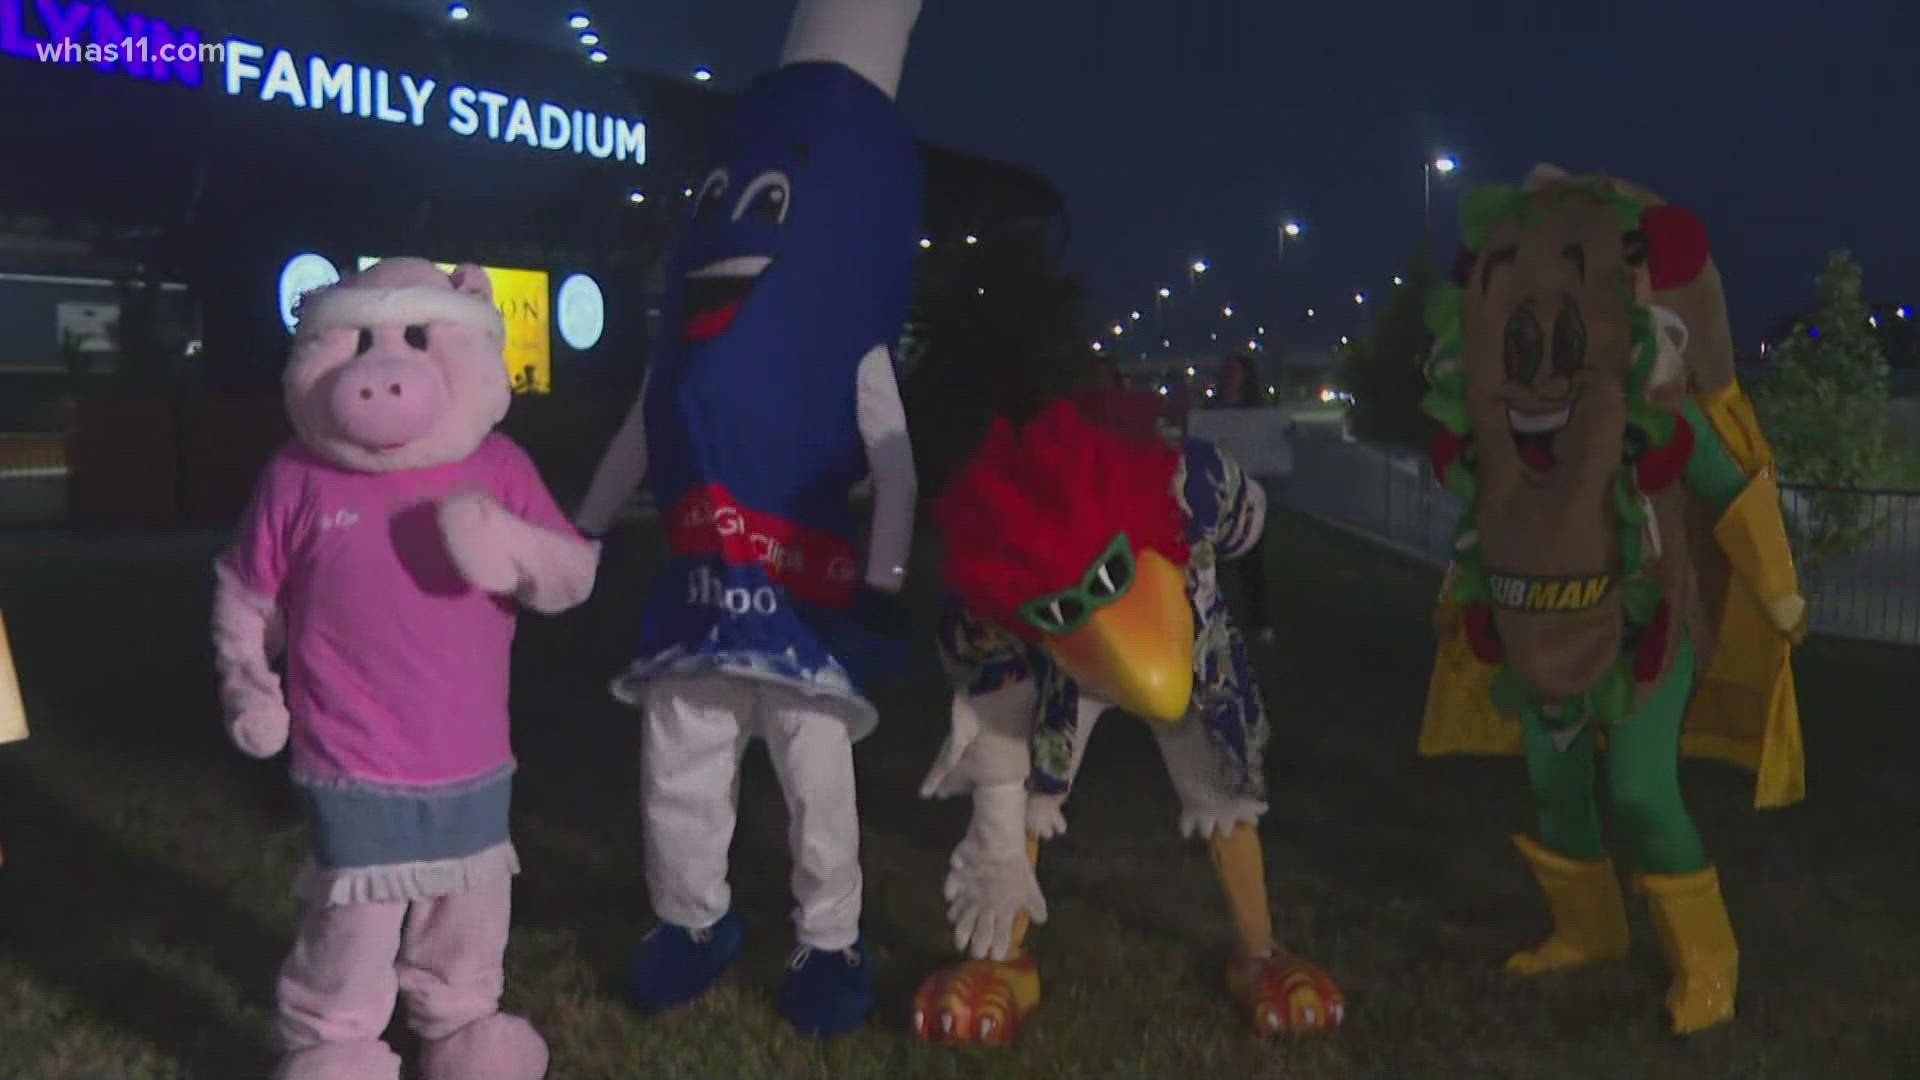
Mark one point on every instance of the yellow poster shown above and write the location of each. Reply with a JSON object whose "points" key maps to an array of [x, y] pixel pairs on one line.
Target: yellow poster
{"points": [[13, 715], [525, 303]]}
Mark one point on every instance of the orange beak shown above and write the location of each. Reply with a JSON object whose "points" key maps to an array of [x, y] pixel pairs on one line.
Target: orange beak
{"points": [[1137, 652]]}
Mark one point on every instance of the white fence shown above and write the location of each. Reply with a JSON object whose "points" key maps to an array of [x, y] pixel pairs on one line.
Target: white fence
{"points": [[1872, 593]]}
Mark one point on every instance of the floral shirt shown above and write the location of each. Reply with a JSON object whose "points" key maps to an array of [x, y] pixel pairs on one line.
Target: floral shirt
{"points": [[1223, 522]]}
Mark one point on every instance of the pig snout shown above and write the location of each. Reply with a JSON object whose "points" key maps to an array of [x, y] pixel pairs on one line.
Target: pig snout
{"points": [[385, 402]]}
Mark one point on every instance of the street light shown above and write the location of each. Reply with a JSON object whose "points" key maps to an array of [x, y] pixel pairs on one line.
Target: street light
{"points": [[1227, 312], [1343, 339], [598, 56], [972, 239], [1444, 164], [1165, 293], [1118, 329], [579, 21], [1199, 266], [589, 39], [1309, 313], [1360, 298], [458, 12], [1289, 230], [926, 242], [1397, 280], [701, 74], [1134, 315]]}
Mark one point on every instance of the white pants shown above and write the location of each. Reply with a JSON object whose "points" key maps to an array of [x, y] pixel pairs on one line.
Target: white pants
{"points": [[695, 730]]}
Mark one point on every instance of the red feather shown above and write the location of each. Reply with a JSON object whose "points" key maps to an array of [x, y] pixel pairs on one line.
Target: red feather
{"points": [[1676, 245], [1031, 509], [1662, 466]]}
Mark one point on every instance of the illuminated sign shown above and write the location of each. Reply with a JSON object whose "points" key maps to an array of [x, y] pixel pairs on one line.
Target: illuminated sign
{"points": [[303, 273], [94, 34], [73, 32], [521, 296], [581, 312]]}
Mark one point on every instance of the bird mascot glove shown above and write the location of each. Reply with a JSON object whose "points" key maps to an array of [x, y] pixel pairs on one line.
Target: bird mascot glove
{"points": [[385, 549], [1081, 559], [771, 395]]}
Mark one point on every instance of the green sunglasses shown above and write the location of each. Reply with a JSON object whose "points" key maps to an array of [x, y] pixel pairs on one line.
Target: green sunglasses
{"points": [[1069, 609]]}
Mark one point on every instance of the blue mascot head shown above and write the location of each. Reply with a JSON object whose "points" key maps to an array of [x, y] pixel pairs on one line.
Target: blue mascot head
{"points": [[807, 225]]}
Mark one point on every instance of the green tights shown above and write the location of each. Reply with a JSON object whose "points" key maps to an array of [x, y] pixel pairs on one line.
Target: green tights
{"points": [[1643, 782]]}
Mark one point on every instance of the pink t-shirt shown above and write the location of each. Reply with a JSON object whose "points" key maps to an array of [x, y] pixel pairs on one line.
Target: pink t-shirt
{"points": [[397, 669]]}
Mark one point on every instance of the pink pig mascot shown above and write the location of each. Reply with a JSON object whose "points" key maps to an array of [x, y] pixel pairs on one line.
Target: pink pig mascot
{"points": [[385, 549]]}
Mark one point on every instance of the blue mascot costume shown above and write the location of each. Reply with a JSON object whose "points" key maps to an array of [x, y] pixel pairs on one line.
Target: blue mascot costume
{"points": [[773, 394]]}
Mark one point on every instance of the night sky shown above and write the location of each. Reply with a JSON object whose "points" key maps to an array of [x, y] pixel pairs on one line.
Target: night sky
{"points": [[1192, 129]]}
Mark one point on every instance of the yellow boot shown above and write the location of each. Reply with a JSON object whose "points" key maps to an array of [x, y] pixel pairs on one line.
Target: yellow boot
{"points": [[1589, 918], [1698, 940]]}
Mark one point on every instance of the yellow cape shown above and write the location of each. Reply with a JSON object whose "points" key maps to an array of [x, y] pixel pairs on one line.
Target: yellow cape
{"points": [[1743, 710], [13, 715]]}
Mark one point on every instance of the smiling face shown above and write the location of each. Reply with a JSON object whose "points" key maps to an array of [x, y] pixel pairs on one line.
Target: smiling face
{"points": [[811, 212], [716, 289], [1549, 338]]}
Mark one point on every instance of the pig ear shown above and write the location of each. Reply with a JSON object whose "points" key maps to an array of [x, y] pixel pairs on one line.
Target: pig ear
{"points": [[468, 278]]}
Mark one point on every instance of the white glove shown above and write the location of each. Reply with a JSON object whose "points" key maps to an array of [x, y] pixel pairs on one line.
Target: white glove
{"points": [[991, 880]]}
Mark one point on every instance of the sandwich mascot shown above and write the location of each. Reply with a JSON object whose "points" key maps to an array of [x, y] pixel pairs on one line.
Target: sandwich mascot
{"points": [[1621, 579], [772, 395], [1081, 558], [386, 550], [13, 713]]}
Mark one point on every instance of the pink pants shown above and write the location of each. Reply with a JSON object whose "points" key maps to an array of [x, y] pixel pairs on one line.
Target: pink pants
{"points": [[351, 962]]}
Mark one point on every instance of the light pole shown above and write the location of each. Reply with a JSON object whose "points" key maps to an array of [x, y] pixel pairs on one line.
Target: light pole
{"points": [[1198, 267], [1289, 230], [1444, 165]]}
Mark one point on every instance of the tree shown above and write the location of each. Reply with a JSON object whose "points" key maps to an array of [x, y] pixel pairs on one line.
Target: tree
{"points": [[1383, 370], [1824, 408], [996, 328]]}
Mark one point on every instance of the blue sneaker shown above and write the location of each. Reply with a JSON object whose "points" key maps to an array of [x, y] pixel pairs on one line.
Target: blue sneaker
{"points": [[827, 993], [674, 965]]}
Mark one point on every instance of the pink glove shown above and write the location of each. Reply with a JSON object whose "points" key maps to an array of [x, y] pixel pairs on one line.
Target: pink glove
{"points": [[499, 553], [245, 628], [479, 539]]}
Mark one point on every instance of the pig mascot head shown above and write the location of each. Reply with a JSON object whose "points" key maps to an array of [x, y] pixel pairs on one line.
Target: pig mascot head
{"points": [[398, 367]]}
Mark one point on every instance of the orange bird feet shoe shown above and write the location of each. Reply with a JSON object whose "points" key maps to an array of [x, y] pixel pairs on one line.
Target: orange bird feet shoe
{"points": [[983, 1002], [1284, 993]]}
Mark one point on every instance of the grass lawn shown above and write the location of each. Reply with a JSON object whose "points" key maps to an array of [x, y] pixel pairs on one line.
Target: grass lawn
{"points": [[144, 905]]}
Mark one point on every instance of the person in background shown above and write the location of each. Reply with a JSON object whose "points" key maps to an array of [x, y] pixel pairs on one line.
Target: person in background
{"points": [[1239, 388]]}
